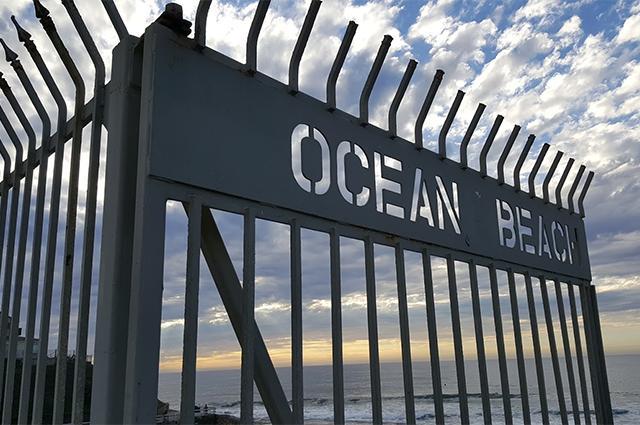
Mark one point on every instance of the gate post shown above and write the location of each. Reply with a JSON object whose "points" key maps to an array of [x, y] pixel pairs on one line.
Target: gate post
{"points": [[117, 230]]}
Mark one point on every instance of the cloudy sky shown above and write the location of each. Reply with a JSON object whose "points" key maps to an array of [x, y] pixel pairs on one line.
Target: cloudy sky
{"points": [[567, 72]]}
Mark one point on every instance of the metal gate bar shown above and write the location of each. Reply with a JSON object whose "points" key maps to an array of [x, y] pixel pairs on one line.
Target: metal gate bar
{"points": [[434, 353], [248, 324], [502, 356], [522, 374], [403, 312], [190, 338], [567, 353], [535, 336], [297, 384], [372, 325], [457, 341], [336, 328], [553, 350], [578, 345], [479, 337]]}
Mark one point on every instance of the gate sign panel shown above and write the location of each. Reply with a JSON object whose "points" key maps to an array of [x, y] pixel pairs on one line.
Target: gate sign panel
{"points": [[249, 137]]}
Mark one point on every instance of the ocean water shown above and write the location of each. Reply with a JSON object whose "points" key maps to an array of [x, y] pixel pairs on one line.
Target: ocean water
{"points": [[221, 390]]}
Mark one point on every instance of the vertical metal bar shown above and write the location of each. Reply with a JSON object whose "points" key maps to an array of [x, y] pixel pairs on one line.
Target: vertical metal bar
{"points": [[116, 19], [536, 168], [567, 353], [301, 43], [547, 179], [25, 211], [405, 339], [336, 329], [254, 33], [574, 188], [72, 205], [502, 356], [523, 156], [554, 351], [479, 336], [54, 214], [202, 13], [25, 386], [578, 344], [338, 62], [517, 334], [464, 145], [297, 387], [457, 341], [600, 369], [442, 138], [535, 336], [505, 153], [563, 179], [372, 321], [426, 105], [248, 320], [487, 144], [434, 354], [372, 77], [6, 176], [583, 194], [11, 243], [6, 173], [397, 98], [190, 336], [90, 212], [591, 354]]}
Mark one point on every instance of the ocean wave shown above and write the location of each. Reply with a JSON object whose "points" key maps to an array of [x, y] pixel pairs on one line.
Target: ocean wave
{"points": [[591, 412], [322, 401]]}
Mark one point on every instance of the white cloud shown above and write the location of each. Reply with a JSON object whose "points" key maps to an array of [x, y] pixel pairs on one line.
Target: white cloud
{"points": [[630, 30]]}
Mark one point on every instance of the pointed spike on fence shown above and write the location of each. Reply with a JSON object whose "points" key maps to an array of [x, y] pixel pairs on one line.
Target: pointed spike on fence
{"points": [[464, 145], [254, 33], [426, 105], [41, 11], [550, 173], [563, 179], [487, 144], [574, 188], [372, 77], [301, 44], [523, 156], [9, 54], [536, 168], [23, 35], [442, 138], [583, 194], [338, 62], [397, 98], [505, 152]]}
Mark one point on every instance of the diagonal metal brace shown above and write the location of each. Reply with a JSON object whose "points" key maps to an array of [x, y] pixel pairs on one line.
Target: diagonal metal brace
{"points": [[224, 275]]}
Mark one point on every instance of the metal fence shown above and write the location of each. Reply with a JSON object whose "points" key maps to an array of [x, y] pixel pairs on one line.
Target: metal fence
{"points": [[151, 161]]}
